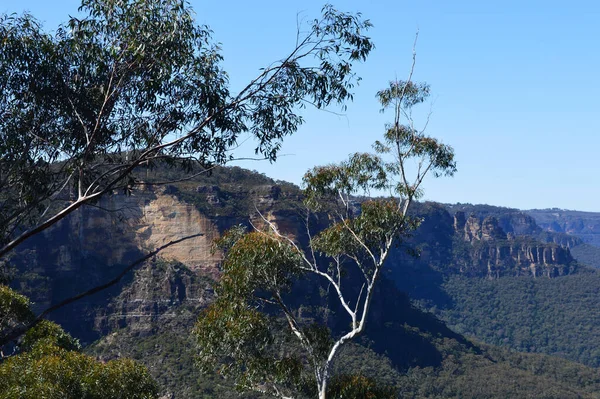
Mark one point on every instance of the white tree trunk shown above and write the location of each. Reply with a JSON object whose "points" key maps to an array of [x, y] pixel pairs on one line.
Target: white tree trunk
{"points": [[322, 389]]}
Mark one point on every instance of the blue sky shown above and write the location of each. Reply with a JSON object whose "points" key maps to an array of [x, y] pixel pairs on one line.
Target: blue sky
{"points": [[514, 86]]}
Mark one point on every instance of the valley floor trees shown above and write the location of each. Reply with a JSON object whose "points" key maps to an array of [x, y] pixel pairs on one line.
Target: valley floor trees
{"points": [[256, 331]]}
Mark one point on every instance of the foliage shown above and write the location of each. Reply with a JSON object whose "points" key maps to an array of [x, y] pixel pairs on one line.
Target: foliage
{"points": [[255, 262], [359, 387], [463, 371], [49, 367], [14, 310], [231, 333], [497, 373], [49, 332], [48, 363], [136, 82], [489, 373], [587, 254], [554, 316]]}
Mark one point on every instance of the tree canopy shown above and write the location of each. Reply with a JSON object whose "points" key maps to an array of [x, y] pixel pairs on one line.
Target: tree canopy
{"points": [[134, 82], [48, 363]]}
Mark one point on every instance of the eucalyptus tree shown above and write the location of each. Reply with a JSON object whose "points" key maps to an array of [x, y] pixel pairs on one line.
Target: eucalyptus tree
{"points": [[252, 333], [49, 364], [134, 82]]}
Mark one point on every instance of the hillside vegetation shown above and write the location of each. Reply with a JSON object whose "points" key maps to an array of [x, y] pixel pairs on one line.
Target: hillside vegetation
{"points": [[405, 348], [560, 316]]}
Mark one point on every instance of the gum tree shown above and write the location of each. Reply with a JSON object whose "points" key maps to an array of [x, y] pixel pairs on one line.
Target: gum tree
{"points": [[135, 82], [50, 364], [132, 83], [253, 333]]}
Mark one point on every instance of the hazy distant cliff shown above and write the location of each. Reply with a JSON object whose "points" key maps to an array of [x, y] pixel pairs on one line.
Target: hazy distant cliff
{"points": [[486, 249], [585, 225]]}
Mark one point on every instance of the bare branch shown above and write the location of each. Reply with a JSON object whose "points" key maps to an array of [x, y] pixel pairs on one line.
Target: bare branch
{"points": [[16, 334]]}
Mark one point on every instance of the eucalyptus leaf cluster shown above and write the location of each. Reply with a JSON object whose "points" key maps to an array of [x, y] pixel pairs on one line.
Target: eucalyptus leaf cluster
{"points": [[410, 153], [239, 342], [50, 371], [15, 310], [236, 334], [259, 262], [326, 185]]}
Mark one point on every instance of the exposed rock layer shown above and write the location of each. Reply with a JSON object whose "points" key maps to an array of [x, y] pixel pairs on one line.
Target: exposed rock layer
{"points": [[487, 250], [95, 243]]}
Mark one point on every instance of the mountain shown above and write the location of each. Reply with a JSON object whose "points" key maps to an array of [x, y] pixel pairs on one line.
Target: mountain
{"points": [[555, 312], [486, 242], [585, 225], [149, 315], [404, 347]]}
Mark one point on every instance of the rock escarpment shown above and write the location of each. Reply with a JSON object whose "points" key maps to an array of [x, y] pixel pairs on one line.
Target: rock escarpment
{"points": [[562, 239], [483, 248], [160, 292], [164, 219], [584, 225], [95, 243], [475, 229]]}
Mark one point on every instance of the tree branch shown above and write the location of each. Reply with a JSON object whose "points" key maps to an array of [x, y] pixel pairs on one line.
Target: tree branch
{"points": [[17, 333]]}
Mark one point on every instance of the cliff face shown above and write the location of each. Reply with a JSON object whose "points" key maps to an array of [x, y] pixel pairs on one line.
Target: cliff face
{"points": [[118, 230], [159, 293], [483, 248], [164, 219], [562, 239], [585, 225], [475, 229], [521, 258], [95, 243], [476, 244], [510, 220]]}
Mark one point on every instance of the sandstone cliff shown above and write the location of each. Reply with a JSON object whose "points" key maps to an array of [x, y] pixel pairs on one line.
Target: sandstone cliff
{"points": [[585, 225], [95, 243], [483, 248]]}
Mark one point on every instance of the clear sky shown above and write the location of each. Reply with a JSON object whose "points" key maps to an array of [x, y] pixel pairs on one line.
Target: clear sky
{"points": [[515, 87]]}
